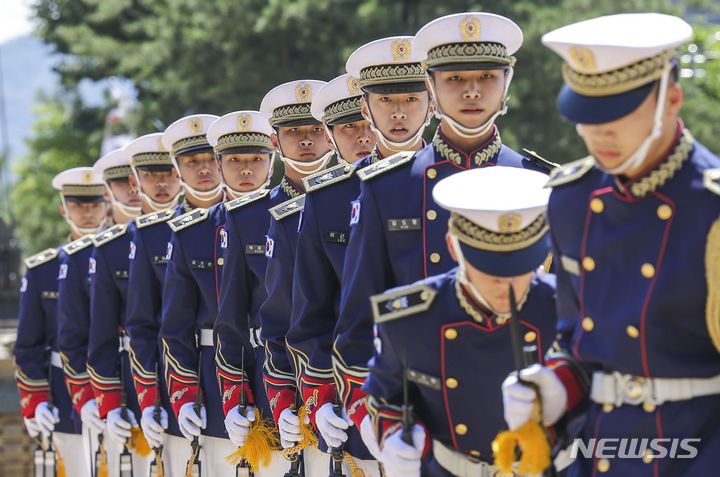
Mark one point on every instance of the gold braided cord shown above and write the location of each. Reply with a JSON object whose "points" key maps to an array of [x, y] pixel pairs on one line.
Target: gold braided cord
{"points": [[83, 190], [188, 142], [619, 80], [191, 462], [449, 153], [712, 276], [342, 108], [119, 172], [289, 189], [150, 159], [475, 236], [393, 73], [667, 169], [469, 52], [243, 139], [291, 112], [355, 471]]}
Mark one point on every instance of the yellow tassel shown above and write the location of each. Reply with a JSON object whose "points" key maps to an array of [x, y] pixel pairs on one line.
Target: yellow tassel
{"points": [[103, 471], [356, 471], [159, 466], [59, 463], [306, 431], [138, 443], [193, 458], [261, 440], [533, 444]]}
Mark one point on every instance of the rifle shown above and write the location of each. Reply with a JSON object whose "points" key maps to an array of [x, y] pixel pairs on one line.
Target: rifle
{"points": [[243, 468], [49, 457], [126, 467], [193, 468], [337, 452], [296, 460], [407, 408], [156, 466]]}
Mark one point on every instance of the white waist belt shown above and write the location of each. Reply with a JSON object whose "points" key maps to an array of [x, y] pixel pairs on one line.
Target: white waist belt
{"points": [[459, 464], [206, 337], [255, 340], [618, 389], [124, 343], [56, 360]]}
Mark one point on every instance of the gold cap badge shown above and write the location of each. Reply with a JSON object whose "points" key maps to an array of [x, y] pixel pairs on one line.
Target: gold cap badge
{"points": [[353, 87], [196, 126], [401, 50], [244, 122], [303, 93], [582, 58], [470, 29], [509, 223]]}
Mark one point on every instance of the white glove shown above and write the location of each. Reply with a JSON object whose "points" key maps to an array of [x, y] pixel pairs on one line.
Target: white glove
{"points": [[189, 422], [46, 418], [368, 437], [399, 458], [331, 426], [518, 399], [119, 428], [32, 427], [289, 427], [90, 417], [238, 426], [152, 429]]}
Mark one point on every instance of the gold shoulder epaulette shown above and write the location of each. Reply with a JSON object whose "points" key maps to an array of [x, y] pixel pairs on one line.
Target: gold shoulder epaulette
{"points": [[154, 218], [77, 245], [711, 180], [42, 257], [385, 165], [241, 201], [570, 172], [109, 234], [328, 176], [541, 161], [403, 302], [288, 208], [189, 218]]}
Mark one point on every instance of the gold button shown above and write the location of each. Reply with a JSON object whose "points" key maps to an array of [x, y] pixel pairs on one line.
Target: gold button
{"points": [[221, 261], [530, 336], [434, 257], [632, 331], [475, 453], [461, 429], [397, 303], [431, 215], [647, 456], [664, 212], [607, 407], [424, 296], [603, 465], [588, 264], [431, 173], [647, 270], [649, 407], [597, 205], [588, 324], [451, 333], [452, 383]]}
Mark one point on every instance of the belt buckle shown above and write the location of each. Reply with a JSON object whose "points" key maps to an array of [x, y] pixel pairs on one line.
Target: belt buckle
{"points": [[635, 389]]}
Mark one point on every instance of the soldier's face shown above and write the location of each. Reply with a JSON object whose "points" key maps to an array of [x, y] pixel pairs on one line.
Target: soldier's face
{"points": [[354, 140], [161, 187], [245, 172], [397, 116], [496, 290], [85, 214], [470, 97], [200, 171], [125, 192], [302, 143]]}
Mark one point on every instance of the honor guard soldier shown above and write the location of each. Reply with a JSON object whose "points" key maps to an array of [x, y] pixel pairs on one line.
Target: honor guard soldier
{"points": [[108, 363], [396, 227], [322, 241], [159, 188], [190, 294], [300, 140], [447, 339], [44, 400], [242, 143], [636, 231]]}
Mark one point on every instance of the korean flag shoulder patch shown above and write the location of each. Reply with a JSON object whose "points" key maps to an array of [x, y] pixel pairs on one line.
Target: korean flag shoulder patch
{"points": [[355, 213]]}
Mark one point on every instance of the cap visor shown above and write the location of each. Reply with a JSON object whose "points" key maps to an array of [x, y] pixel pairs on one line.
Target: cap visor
{"points": [[350, 118], [196, 150], [395, 88], [246, 150], [600, 109], [466, 66], [296, 122], [507, 264], [84, 199], [155, 168]]}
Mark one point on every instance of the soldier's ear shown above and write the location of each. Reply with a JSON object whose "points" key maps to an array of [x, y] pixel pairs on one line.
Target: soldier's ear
{"points": [[451, 249], [674, 100], [327, 138], [275, 141], [62, 210], [364, 108]]}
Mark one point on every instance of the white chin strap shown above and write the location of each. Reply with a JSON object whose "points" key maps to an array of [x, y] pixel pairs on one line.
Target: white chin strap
{"points": [[301, 167], [638, 157], [207, 195], [340, 159], [403, 145], [129, 211], [464, 131], [155, 205], [82, 231]]}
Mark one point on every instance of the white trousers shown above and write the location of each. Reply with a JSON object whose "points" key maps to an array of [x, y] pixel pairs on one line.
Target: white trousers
{"points": [[140, 465], [70, 449], [176, 452]]}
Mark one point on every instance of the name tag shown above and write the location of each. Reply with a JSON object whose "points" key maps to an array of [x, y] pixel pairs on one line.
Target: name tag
{"points": [[255, 249], [401, 225], [341, 238], [424, 379], [201, 264], [159, 259], [122, 273], [570, 265], [49, 294]]}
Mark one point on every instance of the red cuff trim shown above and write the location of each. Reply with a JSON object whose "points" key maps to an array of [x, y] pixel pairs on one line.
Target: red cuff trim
{"points": [[145, 394], [317, 396], [357, 411], [280, 399], [575, 392], [80, 391], [30, 399], [107, 401], [231, 393], [182, 393]]}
